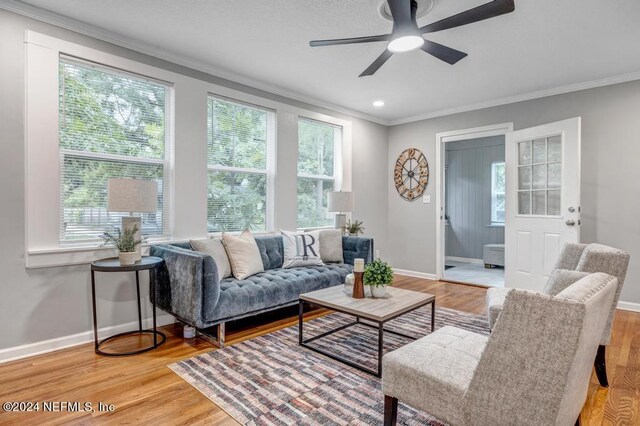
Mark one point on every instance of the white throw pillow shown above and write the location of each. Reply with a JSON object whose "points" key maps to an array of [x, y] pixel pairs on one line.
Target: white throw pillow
{"points": [[301, 249], [214, 248], [244, 255], [331, 245]]}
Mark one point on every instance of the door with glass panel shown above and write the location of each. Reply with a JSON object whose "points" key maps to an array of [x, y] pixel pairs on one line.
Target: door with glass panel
{"points": [[543, 200]]}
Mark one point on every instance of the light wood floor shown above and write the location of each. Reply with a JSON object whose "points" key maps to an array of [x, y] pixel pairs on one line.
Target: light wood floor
{"points": [[144, 390]]}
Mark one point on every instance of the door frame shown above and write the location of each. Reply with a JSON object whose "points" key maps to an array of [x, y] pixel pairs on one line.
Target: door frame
{"points": [[441, 139]]}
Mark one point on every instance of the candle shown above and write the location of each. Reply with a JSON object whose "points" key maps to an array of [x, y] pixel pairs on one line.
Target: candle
{"points": [[358, 265]]}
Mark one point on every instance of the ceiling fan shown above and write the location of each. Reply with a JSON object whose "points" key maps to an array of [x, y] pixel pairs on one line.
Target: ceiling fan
{"points": [[406, 35]]}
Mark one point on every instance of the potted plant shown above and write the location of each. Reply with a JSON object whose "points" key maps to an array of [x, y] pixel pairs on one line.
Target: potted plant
{"points": [[378, 275], [126, 243], [354, 228]]}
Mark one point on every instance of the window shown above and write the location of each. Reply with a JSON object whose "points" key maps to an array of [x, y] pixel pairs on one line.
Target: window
{"points": [[540, 176], [319, 166], [240, 158], [497, 192], [111, 124]]}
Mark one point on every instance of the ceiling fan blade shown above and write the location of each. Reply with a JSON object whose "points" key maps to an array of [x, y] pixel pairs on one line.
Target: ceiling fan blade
{"points": [[444, 53], [480, 13], [368, 39], [377, 63], [401, 12]]}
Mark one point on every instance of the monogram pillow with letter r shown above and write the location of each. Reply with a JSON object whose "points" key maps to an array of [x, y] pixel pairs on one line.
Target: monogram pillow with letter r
{"points": [[301, 249]]}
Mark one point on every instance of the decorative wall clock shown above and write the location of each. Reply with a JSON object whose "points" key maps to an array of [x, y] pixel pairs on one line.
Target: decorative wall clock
{"points": [[411, 174]]}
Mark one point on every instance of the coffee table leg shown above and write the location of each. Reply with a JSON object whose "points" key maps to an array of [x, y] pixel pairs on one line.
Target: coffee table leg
{"points": [[380, 347], [433, 316], [300, 318]]}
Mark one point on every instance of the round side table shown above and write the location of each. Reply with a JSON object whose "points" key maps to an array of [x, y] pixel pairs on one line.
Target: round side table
{"points": [[112, 264]]}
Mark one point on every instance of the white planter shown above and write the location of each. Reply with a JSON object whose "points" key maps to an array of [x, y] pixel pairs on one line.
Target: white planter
{"points": [[127, 257], [378, 291]]}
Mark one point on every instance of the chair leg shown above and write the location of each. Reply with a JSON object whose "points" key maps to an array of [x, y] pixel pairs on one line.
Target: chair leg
{"points": [[390, 410], [600, 365]]}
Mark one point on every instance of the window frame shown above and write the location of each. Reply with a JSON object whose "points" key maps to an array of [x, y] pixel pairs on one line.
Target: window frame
{"points": [[495, 193], [269, 172], [166, 161], [338, 165]]}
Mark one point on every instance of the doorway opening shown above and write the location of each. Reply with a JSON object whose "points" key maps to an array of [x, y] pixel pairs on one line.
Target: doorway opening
{"points": [[470, 201]]}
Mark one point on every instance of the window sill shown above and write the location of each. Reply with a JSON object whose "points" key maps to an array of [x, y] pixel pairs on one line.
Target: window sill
{"points": [[76, 255], [496, 225]]}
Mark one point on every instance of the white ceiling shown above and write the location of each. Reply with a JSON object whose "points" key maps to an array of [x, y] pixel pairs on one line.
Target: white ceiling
{"points": [[544, 44]]}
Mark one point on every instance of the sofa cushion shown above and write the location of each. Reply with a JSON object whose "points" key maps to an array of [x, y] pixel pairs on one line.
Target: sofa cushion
{"points": [[244, 255], [434, 372], [301, 249], [272, 288], [331, 245], [214, 248]]}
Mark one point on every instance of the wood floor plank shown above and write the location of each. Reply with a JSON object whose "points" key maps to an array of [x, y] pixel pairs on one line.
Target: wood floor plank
{"points": [[144, 390]]}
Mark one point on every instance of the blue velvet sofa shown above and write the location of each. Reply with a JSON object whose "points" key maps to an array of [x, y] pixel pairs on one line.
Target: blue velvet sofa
{"points": [[188, 285]]}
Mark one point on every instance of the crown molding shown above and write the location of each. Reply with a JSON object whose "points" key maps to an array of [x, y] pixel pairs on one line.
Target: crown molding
{"points": [[232, 78], [607, 81]]}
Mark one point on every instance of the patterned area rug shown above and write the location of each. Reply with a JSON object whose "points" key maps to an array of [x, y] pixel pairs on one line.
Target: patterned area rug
{"points": [[270, 380]]}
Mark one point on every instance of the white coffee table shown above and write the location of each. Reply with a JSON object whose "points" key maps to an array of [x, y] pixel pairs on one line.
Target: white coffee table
{"points": [[377, 311]]}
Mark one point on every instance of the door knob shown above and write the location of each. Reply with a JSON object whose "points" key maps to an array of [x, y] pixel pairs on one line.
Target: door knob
{"points": [[570, 222], [571, 209]]}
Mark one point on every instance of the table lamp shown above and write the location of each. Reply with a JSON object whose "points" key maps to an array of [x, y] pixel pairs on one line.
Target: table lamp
{"points": [[133, 196], [340, 202]]}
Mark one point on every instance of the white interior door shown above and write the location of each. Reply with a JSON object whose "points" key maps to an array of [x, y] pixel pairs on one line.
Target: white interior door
{"points": [[542, 200]]}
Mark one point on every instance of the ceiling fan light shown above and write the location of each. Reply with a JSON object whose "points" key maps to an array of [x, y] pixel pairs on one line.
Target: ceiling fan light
{"points": [[405, 43]]}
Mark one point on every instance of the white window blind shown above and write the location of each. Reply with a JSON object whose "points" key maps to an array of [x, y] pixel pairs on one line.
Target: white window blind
{"points": [[319, 146], [112, 124], [497, 192], [240, 158]]}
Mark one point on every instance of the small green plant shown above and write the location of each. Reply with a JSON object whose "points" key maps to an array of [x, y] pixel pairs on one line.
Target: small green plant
{"points": [[378, 273], [125, 241], [354, 227]]}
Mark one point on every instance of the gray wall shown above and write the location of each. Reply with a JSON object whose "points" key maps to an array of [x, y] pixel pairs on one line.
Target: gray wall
{"points": [[468, 196], [610, 172], [42, 304]]}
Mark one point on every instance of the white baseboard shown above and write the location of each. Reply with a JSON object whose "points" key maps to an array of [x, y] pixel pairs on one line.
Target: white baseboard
{"points": [[629, 306], [464, 259], [414, 274], [38, 348]]}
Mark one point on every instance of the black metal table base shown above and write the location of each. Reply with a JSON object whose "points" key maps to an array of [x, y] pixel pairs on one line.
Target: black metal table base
{"points": [[112, 265], [376, 325], [156, 343]]}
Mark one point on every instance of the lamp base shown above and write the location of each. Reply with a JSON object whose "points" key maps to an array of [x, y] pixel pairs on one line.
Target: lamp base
{"points": [[340, 220], [128, 222]]}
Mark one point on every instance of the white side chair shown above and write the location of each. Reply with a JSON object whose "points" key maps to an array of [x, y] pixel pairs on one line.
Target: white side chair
{"points": [[534, 369], [574, 262]]}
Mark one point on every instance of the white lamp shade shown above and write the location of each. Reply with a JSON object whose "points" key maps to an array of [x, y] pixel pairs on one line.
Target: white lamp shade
{"points": [[132, 195], [340, 201]]}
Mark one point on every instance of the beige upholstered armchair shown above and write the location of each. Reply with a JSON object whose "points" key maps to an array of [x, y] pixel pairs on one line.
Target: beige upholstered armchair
{"points": [[534, 368], [574, 262]]}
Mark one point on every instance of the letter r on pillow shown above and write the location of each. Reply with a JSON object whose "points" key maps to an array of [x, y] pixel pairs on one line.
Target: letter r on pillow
{"points": [[306, 248]]}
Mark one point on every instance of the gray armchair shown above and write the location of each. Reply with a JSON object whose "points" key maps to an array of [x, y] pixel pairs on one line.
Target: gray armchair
{"points": [[534, 369], [574, 262]]}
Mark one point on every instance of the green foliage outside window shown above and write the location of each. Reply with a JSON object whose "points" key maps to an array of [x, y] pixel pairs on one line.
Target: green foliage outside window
{"points": [[237, 138], [110, 113], [316, 174]]}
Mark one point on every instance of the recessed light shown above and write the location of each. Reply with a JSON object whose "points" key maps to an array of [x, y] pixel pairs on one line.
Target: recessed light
{"points": [[378, 104]]}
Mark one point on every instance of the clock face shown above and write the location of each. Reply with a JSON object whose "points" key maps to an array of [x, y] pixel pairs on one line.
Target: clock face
{"points": [[411, 174]]}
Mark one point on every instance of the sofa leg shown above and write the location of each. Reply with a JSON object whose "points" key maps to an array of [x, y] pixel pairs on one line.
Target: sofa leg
{"points": [[218, 339], [600, 365], [390, 410], [221, 334]]}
